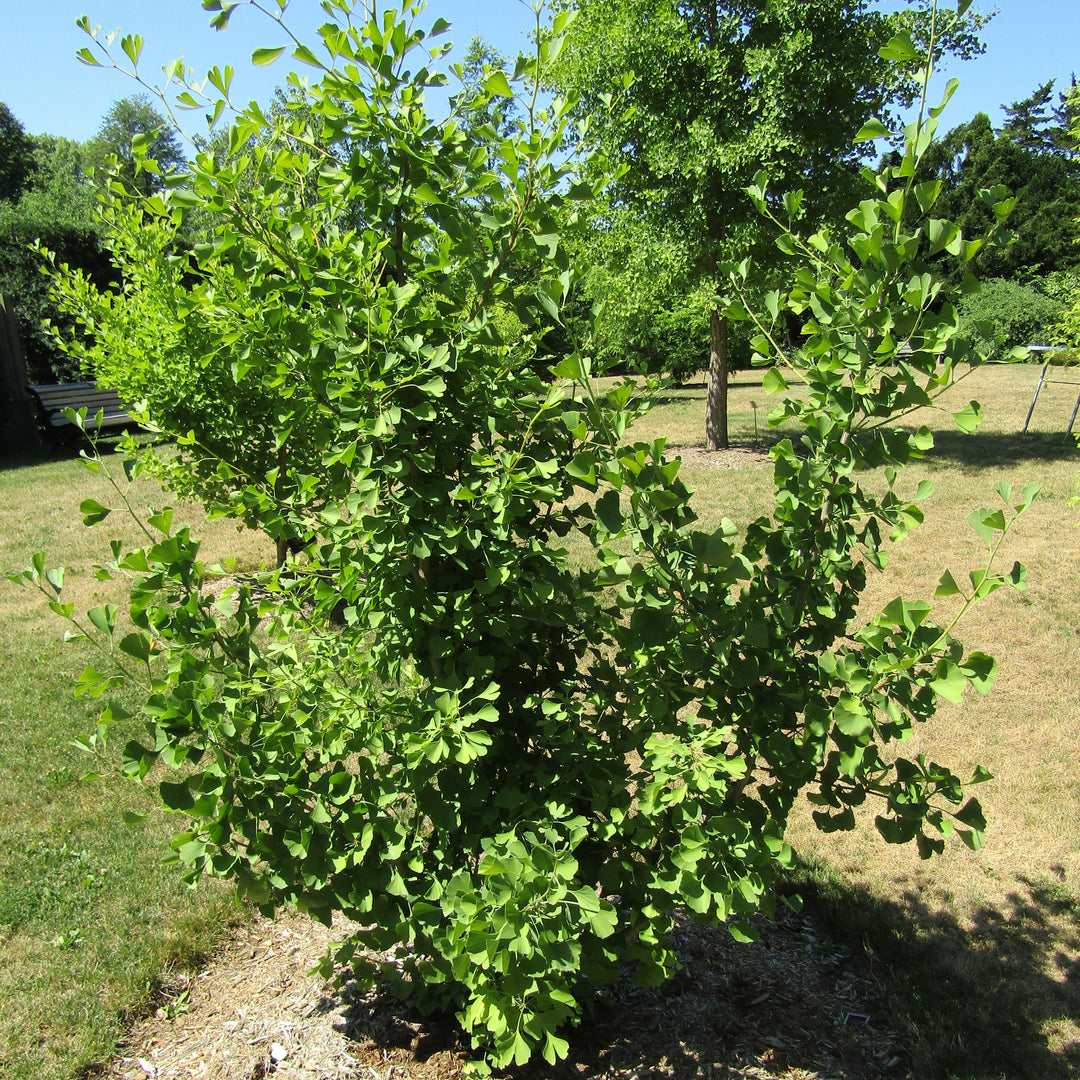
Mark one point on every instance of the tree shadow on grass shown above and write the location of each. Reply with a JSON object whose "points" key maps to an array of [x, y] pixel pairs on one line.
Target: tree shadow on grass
{"points": [[697, 390], [991, 450], [997, 996], [64, 450], [23, 458]]}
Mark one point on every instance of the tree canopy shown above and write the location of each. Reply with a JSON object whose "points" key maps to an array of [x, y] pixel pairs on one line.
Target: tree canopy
{"points": [[16, 156], [1046, 185], [126, 119], [721, 90], [1036, 124]]}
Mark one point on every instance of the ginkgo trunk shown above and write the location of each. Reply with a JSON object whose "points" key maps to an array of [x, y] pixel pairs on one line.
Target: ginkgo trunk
{"points": [[716, 405]]}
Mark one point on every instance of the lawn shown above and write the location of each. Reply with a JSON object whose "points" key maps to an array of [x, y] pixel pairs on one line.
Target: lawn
{"points": [[981, 950], [90, 921]]}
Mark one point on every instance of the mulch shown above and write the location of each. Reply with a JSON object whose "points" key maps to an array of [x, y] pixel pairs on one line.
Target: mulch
{"points": [[791, 1006]]}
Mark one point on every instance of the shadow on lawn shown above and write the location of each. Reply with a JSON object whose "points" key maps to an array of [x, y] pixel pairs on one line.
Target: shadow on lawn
{"points": [[65, 450], [989, 450], [681, 393], [983, 998]]}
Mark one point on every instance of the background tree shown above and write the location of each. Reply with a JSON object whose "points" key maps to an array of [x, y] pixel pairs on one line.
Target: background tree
{"points": [[126, 118], [477, 109], [55, 207], [721, 90], [637, 274], [16, 156], [1037, 125], [1070, 323], [1044, 182], [1010, 313]]}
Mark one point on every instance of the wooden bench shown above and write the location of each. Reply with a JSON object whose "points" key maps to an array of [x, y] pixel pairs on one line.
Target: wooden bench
{"points": [[52, 399]]}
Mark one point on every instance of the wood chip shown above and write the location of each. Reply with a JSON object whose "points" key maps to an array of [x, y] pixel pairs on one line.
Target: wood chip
{"points": [[773, 1010]]}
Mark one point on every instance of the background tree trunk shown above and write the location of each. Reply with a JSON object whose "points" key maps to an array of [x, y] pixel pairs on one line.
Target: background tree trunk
{"points": [[18, 432], [716, 426]]}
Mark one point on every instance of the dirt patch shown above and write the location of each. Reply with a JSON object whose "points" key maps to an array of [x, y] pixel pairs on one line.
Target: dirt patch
{"points": [[792, 1005], [734, 457]]}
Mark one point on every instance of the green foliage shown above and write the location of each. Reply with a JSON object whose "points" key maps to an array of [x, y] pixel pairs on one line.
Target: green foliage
{"points": [[649, 320], [509, 767], [1009, 315], [55, 208], [1070, 323], [129, 121], [1059, 285], [1046, 186], [710, 94], [16, 156], [152, 342], [1035, 124], [47, 199], [477, 108]]}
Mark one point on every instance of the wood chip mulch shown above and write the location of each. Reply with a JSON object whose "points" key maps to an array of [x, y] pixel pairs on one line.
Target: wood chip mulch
{"points": [[791, 1006], [734, 457]]}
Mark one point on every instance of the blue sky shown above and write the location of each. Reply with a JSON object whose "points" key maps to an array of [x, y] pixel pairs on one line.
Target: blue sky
{"points": [[1028, 42], [49, 90]]}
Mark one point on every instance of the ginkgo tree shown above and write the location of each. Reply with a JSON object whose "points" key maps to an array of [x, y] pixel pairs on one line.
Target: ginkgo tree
{"points": [[509, 764]]}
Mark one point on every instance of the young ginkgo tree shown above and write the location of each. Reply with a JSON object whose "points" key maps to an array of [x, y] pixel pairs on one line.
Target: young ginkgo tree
{"points": [[509, 765]]}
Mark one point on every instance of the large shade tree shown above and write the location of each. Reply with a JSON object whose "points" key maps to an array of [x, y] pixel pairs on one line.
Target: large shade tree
{"points": [[16, 156], [725, 88], [127, 118]]}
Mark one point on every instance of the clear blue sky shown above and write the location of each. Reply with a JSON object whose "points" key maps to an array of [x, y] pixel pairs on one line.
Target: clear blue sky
{"points": [[1028, 42], [50, 91]]}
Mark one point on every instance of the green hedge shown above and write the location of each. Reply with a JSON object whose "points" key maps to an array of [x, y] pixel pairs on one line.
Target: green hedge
{"points": [[1011, 314]]}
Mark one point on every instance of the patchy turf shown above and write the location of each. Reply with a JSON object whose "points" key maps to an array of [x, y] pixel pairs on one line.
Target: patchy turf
{"points": [[967, 966]]}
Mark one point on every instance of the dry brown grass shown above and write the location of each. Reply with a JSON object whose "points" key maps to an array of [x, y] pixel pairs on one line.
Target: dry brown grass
{"points": [[997, 932]]}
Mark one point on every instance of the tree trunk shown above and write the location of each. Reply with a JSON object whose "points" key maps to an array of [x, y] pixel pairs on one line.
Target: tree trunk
{"points": [[18, 432], [716, 433]]}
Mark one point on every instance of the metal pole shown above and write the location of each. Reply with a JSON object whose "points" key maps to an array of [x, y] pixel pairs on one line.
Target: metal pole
{"points": [[1072, 419], [1042, 376]]}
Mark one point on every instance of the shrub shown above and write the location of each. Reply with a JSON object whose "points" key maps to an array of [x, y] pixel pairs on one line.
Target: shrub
{"points": [[1059, 285], [1008, 315], [510, 770]]}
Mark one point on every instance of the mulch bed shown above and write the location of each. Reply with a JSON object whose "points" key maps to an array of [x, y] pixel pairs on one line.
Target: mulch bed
{"points": [[792, 1005], [734, 457]]}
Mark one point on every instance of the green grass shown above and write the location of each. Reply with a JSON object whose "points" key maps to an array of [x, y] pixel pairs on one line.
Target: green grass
{"points": [[89, 918], [981, 951]]}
